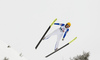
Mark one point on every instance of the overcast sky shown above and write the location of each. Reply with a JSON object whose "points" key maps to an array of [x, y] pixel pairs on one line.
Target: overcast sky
{"points": [[23, 22]]}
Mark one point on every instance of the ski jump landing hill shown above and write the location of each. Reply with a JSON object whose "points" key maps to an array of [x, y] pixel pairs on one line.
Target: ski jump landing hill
{"points": [[7, 53]]}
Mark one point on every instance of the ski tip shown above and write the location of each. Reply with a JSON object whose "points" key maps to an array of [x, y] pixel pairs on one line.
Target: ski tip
{"points": [[53, 22], [56, 19], [73, 40]]}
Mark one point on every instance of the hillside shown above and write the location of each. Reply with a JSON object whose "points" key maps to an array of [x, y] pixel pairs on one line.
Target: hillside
{"points": [[7, 53]]}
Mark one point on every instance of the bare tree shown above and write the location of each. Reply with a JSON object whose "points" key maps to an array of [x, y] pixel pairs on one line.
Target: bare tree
{"points": [[5, 58], [84, 56], [8, 46], [21, 55]]}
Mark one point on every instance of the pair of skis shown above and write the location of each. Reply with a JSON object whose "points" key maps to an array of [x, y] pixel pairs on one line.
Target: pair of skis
{"points": [[44, 36]]}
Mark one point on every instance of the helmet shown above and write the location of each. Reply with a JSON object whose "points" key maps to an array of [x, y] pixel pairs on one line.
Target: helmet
{"points": [[69, 23]]}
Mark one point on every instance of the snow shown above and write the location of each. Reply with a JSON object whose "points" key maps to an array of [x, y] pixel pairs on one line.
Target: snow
{"points": [[9, 53]]}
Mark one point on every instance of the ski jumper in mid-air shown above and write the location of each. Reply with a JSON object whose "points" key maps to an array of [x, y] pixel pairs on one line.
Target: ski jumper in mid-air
{"points": [[62, 31]]}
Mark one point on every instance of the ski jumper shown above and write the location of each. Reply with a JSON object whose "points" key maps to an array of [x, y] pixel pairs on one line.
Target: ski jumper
{"points": [[59, 32]]}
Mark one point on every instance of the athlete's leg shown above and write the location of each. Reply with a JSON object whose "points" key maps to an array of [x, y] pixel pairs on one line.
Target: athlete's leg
{"points": [[53, 33], [58, 40]]}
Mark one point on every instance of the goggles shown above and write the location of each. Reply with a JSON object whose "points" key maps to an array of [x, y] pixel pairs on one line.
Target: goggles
{"points": [[67, 25]]}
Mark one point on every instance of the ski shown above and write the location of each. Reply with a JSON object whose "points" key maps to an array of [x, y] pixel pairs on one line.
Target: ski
{"points": [[61, 47], [45, 33]]}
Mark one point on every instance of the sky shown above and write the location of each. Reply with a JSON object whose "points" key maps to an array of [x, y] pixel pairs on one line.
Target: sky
{"points": [[23, 22]]}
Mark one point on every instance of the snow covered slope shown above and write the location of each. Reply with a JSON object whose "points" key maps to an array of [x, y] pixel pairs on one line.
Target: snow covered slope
{"points": [[7, 53]]}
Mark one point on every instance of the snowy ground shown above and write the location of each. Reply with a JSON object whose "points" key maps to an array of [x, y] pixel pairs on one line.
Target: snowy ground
{"points": [[9, 53]]}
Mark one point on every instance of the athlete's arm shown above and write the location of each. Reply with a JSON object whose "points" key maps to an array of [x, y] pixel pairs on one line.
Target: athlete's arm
{"points": [[65, 34], [59, 24]]}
